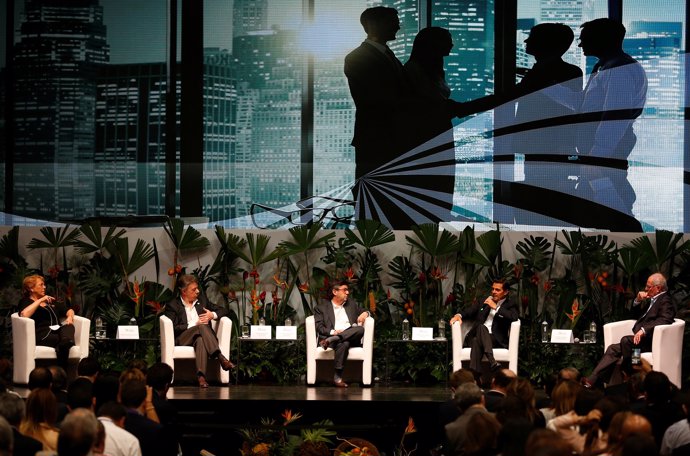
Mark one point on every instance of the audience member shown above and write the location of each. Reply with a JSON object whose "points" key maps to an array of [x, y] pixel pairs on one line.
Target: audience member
{"points": [[105, 389], [41, 415], [12, 409], [522, 388], [545, 442], [159, 377], [40, 377], [78, 433], [6, 438], [499, 384], [118, 441], [80, 394], [89, 367], [678, 434], [471, 401], [659, 409], [152, 438], [483, 440]]}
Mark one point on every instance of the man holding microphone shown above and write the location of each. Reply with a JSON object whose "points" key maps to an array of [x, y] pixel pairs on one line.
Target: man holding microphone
{"points": [[492, 320]]}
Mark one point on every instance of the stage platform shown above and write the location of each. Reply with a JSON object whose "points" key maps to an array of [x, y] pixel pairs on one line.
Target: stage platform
{"points": [[211, 418]]}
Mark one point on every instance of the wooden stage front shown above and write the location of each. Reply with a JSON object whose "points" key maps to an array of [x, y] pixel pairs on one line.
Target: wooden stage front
{"points": [[211, 418]]}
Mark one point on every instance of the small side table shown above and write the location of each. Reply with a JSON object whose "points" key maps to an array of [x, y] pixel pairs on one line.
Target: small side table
{"points": [[400, 342]]}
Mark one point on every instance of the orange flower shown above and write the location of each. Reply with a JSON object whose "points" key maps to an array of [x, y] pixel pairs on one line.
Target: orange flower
{"points": [[178, 268], [436, 274], [575, 309], [138, 292], [254, 300], [548, 285], [349, 274], [281, 283], [289, 417], [155, 306], [372, 301], [410, 426], [303, 287], [171, 271]]}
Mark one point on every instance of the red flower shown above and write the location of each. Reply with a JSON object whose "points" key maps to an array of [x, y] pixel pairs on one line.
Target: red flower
{"points": [[534, 279], [548, 285], [262, 296], [436, 273], [155, 306], [422, 277], [281, 283], [517, 270], [54, 271], [232, 295], [245, 274], [349, 274], [450, 299], [303, 287]]}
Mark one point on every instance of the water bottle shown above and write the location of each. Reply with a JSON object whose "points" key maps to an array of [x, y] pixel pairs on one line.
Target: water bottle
{"points": [[288, 322], [100, 328], [405, 330], [544, 331], [635, 360], [133, 321], [441, 329], [262, 321], [593, 332]]}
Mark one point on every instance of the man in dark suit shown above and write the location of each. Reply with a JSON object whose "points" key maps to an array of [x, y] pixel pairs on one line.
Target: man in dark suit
{"points": [[657, 309], [191, 314], [491, 327], [153, 438], [339, 325], [378, 88]]}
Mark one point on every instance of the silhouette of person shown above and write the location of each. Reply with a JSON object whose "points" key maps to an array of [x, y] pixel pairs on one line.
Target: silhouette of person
{"points": [[545, 142], [431, 121], [613, 98], [378, 87]]}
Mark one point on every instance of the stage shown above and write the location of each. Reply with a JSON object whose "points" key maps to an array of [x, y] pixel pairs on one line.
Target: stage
{"points": [[210, 419]]}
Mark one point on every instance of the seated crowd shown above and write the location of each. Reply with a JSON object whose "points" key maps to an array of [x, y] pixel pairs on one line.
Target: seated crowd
{"points": [[644, 415], [96, 414]]}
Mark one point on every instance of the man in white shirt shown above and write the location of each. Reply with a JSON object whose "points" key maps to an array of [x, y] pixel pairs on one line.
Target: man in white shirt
{"points": [[339, 325], [118, 441]]}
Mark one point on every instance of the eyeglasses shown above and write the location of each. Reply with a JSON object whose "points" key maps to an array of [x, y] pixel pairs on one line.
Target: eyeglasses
{"points": [[343, 289], [332, 212]]}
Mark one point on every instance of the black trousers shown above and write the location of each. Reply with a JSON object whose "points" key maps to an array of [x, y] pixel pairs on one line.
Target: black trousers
{"points": [[351, 337], [205, 344], [616, 352], [481, 343], [62, 340]]}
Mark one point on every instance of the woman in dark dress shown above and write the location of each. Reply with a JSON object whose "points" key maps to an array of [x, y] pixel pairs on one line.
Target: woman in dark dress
{"points": [[37, 305]]}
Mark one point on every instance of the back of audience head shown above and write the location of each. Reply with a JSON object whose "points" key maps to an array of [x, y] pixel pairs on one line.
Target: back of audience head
{"points": [[132, 373], [133, 393], [512, 408], [6, 438], [106, 388], [586, 399], [467, 395], [513, 435], [80, 394], [638, 445], [657, 387], [545, 442], [569, 373], [12, 408], [636, 386], [40, 377], [502, 379], [624, 424], [564, 395], [78, 433], [88, 367], [59, 377], [113, 410], [609, 406], [140, 363], [484, 436], [160, 375], [41, 407]]}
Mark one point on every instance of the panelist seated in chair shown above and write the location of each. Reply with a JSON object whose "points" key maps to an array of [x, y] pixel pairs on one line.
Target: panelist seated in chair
{"points": [[657, 308], [339, 325], [47, 312], [191, 314], [491, 327]]}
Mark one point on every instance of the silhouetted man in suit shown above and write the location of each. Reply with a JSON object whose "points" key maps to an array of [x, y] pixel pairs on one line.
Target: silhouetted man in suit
{"points": [[339, 325], [191, 314], [378, 88], [491, 328], [657, 309]]}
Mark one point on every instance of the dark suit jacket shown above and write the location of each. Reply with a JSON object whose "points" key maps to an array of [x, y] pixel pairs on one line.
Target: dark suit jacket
{"points": [[324, 317], [174, 310], [153, 438], [662, 313], [377, 86], [25, 446], [500, 329]]}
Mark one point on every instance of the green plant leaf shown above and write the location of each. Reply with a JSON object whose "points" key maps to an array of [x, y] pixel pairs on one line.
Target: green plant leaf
{"points": [[371, 233], [9, 248], [305, 238], [185, 240], [433, 243], [142, 253], [95, 241], [55, 238]]}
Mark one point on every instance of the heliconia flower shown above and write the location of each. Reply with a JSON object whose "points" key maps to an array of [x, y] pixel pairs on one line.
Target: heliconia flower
{"points": [[303, 287], [254, 300], [276, 298], [232, 295], [290, 417], [245, 274], [437, 274], [254, 273], [372, 301], [517, 270], [138, 292], [422, 277], [69, 292], [590, 276], [281, 283], [171, 271], [155, 306], [54, 271], [388, 293], [450, 299], [548, 285], [349, 274], [525, 302], [178, 268], [262, 296], [534, 279], [410, 426]]}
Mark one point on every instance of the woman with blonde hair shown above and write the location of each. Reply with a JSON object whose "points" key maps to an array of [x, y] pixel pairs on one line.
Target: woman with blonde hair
{"points": [[39, 421], [47, 312]]}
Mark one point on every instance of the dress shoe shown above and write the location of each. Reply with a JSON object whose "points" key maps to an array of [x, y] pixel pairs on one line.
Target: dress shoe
{"points": [[324, 344], [340, 383], [225, 363], [202, 381], [495, 366]]}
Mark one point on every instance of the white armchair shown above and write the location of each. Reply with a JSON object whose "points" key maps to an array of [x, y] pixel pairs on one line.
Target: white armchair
{"points": [[667, 345], [185, 355], [359, 359], [26, 352], [509, 355]]}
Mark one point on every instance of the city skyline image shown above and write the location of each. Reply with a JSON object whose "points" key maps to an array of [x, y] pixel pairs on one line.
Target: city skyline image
{"points": [[90, 89]]}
